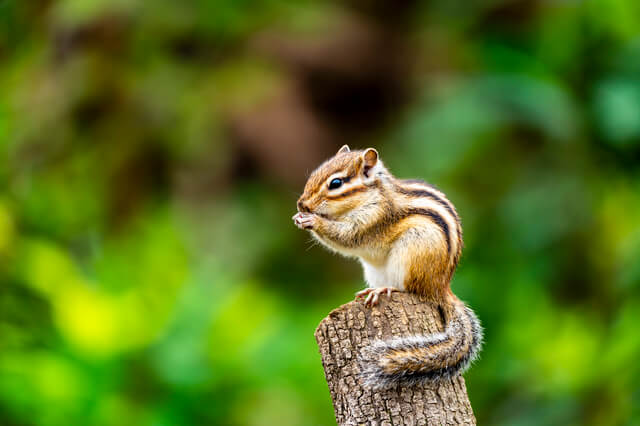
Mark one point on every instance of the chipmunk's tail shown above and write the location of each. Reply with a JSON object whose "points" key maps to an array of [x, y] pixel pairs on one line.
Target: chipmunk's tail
{"points": [[419, 359]]}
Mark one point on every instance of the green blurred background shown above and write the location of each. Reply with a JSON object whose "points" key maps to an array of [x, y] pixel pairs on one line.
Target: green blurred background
{"points": [[151, 154]]}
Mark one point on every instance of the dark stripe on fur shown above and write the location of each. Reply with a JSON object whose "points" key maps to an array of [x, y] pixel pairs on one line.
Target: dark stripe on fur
{"points": [[380, 227], [347, 193], [418, 193], [442, 201], [437, 219], [392, 217]]}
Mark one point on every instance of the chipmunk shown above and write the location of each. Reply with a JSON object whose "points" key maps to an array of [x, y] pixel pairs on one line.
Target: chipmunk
{"points": [[407, 236]]}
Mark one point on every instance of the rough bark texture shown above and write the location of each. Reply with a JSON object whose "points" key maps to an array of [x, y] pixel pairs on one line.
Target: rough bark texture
{"points": [[351, 327]]}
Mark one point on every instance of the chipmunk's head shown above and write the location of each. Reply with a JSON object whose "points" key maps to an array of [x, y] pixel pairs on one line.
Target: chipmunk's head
{"points": [[344, 182]]}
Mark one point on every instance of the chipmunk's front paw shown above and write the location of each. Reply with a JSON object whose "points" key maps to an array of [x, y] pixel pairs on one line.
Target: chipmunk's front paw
{"points": [[305, 220]]}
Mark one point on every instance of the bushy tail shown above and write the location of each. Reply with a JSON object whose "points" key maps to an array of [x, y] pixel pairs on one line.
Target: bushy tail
{"points": [[419, 359]]}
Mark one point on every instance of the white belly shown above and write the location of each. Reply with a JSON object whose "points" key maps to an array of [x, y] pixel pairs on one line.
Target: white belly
{"points": [[387, 274]]}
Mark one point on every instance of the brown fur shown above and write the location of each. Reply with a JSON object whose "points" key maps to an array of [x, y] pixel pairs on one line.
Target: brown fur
{"points": [[430, 269], [420, 359], [406, 226], [316, 186], [347, 193]]}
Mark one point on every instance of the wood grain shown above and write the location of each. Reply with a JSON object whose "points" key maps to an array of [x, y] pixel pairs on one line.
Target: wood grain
{"points": [[351, 327]]}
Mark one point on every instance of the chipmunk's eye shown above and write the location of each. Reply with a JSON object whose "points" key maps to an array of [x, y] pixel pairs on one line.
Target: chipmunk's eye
{"points": [[335, 183]]}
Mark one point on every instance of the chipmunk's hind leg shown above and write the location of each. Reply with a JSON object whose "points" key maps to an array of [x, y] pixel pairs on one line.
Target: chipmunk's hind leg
{"points": [[373, 294]]}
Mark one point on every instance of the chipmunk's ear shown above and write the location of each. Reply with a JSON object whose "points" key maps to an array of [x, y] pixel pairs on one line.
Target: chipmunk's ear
{"points": [[345, 148], [370, 158]]}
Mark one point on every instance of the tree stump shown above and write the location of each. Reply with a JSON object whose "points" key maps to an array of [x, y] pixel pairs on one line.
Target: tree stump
{"points": [[348, 329]]}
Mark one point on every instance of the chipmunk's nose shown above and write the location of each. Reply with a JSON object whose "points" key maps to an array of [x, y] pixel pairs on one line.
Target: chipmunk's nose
{"points": [[303, 207]]}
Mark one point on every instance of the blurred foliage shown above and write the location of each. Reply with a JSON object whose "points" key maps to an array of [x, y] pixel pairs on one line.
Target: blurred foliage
{"points": [[144, 281]]}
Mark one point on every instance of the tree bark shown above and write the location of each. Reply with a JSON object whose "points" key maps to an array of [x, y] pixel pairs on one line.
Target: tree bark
{"points": [[348, 329]]}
